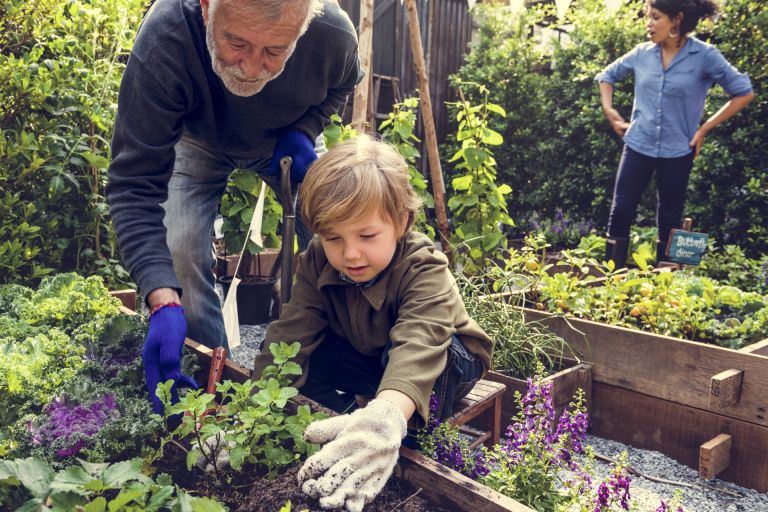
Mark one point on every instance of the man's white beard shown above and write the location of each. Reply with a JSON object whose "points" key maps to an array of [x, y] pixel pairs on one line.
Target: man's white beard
{"points": [[234, 78]]}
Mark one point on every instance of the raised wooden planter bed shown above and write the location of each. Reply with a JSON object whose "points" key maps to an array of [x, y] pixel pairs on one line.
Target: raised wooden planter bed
{"points": [[438, 484], [676, 396]]}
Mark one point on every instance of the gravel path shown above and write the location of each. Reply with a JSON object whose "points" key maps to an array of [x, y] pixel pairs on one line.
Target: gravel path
{"points": [[700, 497]]}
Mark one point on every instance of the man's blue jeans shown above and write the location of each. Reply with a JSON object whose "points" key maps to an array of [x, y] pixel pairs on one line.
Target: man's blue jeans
{"points": [[635, 171], [337, 366], [194, 191]]}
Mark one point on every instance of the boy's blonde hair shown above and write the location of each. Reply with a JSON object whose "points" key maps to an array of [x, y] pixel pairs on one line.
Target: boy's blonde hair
{"points": [[354, 178]]}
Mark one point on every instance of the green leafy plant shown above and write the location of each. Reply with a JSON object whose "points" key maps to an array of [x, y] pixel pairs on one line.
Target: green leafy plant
{"points": [[252, 426], [398, 130], [337, 131], [478, 205], [60, 70], [730, 265], [237, 208], [31, 484]]}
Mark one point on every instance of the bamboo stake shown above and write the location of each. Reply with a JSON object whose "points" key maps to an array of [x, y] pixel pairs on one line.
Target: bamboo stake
{"points": [[364, 50], [430, 136]]}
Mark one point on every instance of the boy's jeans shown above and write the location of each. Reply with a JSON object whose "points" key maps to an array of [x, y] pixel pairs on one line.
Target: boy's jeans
{"points": [[336, 365], [195, 188]]}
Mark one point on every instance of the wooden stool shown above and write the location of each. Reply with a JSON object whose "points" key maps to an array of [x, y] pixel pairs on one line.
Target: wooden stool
{"points": [[484, 403]]}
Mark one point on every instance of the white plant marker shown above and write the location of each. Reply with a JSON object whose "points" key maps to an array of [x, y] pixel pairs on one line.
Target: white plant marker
{"points": [[229, 310]]}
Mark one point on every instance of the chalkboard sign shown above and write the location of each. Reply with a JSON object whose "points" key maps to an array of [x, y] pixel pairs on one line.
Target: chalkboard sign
{"points": [[686, 247]]}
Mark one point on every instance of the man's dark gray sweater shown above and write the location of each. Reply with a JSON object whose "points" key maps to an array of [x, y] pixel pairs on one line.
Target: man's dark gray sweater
{"points": [[169, 89]]}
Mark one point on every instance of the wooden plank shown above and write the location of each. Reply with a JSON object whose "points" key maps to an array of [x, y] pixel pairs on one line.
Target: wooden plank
{"points": [[450, 489], [678, 431], [760, 348], [725, 389], [127, 298], [715, 456], [661, 366]]}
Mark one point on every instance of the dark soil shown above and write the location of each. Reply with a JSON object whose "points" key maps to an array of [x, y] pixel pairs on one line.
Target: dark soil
{"points": [[270, 495], [248, 492]]}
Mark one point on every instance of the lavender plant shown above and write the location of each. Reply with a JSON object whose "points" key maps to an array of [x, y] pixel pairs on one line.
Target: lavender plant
{"points": [[527, 464], [443, 443]]}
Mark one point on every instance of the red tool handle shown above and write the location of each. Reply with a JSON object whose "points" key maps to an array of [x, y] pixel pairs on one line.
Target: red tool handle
{"points": [[218, 359]]}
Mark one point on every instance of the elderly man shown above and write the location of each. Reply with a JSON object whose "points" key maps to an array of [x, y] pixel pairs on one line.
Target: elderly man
{"points": [[213, 85]]}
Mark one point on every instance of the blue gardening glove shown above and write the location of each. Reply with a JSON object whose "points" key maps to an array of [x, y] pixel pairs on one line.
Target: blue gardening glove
{"points": [[300, 148], [162, 352]]}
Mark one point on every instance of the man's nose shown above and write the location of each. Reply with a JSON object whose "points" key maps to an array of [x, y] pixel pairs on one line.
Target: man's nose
{"points": [[252, 65]]}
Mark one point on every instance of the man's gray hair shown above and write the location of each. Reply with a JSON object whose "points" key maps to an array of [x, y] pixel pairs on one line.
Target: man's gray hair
{"points": [[271, 10]]}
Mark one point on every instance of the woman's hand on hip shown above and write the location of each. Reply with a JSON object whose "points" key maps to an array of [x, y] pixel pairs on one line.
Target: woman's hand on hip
{"points": [[618, 123], [697, 141]]}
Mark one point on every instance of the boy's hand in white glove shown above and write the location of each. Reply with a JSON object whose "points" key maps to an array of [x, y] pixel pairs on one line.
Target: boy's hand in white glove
{"points": [[358, 459]]}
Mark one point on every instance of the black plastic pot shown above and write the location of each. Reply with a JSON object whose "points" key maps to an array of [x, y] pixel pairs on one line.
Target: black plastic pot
{"points": [[254, 298]]}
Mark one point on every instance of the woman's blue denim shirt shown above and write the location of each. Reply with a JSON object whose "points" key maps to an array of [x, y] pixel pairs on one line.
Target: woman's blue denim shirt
{"points": [[669, 103]]}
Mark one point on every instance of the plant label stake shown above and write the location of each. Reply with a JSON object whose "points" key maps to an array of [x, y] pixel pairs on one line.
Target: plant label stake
{"points": [[686, 246], [229, 310]]}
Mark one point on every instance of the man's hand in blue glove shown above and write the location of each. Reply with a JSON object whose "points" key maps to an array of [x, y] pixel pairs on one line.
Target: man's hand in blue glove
{"points": [[300, 148], [162, 352]]}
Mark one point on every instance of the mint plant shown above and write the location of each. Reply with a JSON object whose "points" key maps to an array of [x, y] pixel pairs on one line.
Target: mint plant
{"points": [[479, 205], [250, 423]]}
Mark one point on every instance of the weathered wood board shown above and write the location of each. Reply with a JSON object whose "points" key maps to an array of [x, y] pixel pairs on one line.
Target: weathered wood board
{"points": [[664, 367], [678, 431]]}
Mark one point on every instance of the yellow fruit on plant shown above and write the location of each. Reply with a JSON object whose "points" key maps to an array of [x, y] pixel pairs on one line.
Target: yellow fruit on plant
{"points": [[675, 302], [645, 290], [562, 305], [635, 311], [540, 306], [532, 265]]}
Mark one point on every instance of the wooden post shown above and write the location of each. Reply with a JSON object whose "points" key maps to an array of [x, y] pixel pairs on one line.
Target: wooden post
{"points": [[430, 135], [725, 389], [365, 50], [715, 456]]}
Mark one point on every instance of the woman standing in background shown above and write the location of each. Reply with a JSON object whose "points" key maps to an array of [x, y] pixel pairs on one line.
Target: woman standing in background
{"points": [[673, 73]]}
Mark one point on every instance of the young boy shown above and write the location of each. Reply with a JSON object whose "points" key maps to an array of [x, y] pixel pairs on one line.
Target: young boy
{"points": [[378, 314]]}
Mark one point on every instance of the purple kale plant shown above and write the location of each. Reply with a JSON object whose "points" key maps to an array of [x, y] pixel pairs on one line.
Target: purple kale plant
{"points": [[66, 428]]}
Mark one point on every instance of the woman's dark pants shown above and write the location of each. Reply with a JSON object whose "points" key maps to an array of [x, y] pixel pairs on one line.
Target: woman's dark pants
{"points": [[635, 171]]}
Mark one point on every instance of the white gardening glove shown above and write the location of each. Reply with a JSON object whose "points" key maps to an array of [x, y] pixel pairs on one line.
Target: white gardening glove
{"points": [[360, 454]]}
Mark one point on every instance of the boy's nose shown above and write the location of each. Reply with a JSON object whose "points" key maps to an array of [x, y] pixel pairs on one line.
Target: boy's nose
{"points": [[351, 252]]}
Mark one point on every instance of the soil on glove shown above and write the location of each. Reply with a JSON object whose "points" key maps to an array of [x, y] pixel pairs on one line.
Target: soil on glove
{"points": [[270, 495]]}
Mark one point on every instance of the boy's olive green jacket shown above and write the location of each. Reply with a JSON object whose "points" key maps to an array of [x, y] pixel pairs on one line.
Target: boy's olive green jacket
{"points": [[414, 302]]}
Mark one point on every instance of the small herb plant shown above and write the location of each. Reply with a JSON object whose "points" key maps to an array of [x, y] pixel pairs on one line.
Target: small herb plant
{"points": [[251, 427]]}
